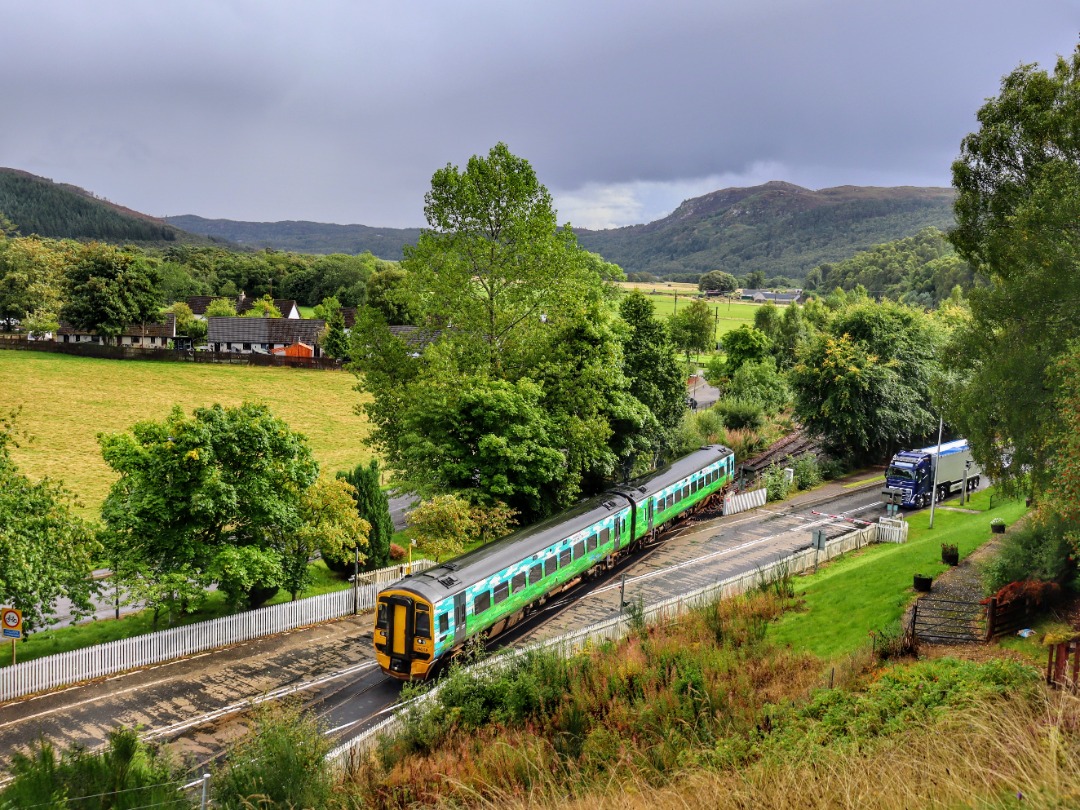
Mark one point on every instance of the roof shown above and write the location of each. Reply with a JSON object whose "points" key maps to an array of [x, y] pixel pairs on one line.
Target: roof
{"points": [[166, 329], [673, 473], [349, 314], [415, 336], [263, 330]]}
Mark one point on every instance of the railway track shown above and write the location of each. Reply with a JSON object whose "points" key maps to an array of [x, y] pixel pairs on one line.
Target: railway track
{"points": [[794, 445]]}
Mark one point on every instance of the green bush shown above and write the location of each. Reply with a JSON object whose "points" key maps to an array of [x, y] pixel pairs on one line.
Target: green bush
{"points": [[760, 382], [1034, 551], [280, 763], [776, 482], [832, 468], [807, 471], [741, 414], [127, 774]]}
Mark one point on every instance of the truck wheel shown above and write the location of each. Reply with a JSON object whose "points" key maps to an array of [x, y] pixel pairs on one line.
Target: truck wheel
{"points": [[942, 492], [976, 479]]}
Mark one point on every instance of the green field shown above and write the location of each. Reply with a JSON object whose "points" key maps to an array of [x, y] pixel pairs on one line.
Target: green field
{"points": [[66, 401], [728, 314]]}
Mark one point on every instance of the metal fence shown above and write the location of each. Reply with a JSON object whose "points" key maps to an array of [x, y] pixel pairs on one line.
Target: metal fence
{"points": [[129, 653], [618, 627]]}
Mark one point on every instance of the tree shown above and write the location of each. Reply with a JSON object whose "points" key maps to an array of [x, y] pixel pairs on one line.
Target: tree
{"points": [[745, 345], [373, 506], [493, 262], [1017, 208], [191, 487], [108, 289], [329, 525], [45, 547], [755, 280], [31, 281], [442, 525], [187, 323], [692, 328], [263, 308], [387, 293], [493, 521], [656, 378], [333, 339], [221, 308], [767, 319], [717, 280]]}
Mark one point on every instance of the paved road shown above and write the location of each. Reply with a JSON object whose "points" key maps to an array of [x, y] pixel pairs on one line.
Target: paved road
{"points": [[332, 663]]}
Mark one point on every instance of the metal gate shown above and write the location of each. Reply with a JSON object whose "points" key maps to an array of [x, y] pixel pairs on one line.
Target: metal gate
{"points": [[947, 621]]}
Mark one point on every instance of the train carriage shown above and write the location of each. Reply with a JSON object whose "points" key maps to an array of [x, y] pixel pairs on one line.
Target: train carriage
{"points": [[424, 617]]}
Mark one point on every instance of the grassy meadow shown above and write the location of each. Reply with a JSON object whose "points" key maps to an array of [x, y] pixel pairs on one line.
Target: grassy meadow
{"points": [[729, 314], [66, 401]]}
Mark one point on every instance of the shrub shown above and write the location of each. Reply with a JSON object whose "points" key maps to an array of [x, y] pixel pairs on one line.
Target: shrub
{"points": [[776, 482], [744, 443], [832, 468], [760, 382], [807, 471], [741, 413], [396, 552], [1037, 551]]}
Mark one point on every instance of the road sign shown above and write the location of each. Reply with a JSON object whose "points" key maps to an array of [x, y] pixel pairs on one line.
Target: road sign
{"points": [[11, 622]]}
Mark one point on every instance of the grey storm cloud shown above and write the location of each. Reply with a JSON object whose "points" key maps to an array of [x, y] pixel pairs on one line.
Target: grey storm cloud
{"points": [[341, 111]]}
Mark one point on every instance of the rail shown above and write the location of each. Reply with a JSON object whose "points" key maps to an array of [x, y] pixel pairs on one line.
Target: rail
{"points": [[617, 628], [66, 668]]}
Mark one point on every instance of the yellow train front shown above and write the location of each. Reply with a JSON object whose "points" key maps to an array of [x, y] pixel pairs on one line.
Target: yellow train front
{"points": [[404, 637]]}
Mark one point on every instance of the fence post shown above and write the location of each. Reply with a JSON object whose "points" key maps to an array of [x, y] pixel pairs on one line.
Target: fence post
{"points": [[205, 790], [991, 617]]}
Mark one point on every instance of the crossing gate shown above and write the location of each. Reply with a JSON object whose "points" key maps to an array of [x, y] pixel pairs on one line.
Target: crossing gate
{"points": [[948, 621]]}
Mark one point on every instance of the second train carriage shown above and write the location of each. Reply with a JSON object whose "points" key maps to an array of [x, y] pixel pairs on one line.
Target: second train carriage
{"points": [[424, 617]]}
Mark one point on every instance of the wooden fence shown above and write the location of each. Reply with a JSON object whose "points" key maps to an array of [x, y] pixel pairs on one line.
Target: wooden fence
{"points": [[97, 350], [619, 627], [129, 653]]}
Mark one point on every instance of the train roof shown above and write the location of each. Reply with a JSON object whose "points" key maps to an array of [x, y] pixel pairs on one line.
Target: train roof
{"points": [[674, 472], [449, 577]]}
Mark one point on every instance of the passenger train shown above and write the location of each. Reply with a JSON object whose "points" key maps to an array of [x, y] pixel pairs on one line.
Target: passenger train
{"points": [[424, 618]]}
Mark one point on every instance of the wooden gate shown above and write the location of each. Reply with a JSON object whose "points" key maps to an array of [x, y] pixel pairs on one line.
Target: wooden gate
{"points": [[948, 621]]}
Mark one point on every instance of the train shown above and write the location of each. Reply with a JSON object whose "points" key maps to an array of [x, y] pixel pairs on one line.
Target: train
{"points": [[425, 618]]}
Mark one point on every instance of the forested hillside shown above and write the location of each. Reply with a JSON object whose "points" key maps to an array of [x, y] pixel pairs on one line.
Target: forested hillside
{"points": [[777, 228], [304, 237], [37, 205]]}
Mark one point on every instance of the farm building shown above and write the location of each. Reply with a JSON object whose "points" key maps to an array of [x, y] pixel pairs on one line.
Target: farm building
{"points": [[244, 335]]}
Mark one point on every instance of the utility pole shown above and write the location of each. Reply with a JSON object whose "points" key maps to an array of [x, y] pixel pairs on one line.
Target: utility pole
{"points": [[937, 463]]}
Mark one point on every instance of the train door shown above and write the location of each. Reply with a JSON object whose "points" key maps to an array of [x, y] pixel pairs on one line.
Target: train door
{"points": [[459, 618], [650, 514], [399, 632]]}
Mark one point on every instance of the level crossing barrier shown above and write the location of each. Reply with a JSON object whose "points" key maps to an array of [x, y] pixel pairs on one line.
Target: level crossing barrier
{"points": [[63, 669]]}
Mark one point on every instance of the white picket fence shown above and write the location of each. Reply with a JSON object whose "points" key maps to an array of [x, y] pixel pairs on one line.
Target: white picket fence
{"points": [[153, 648], [892, 530], [619, 627], [744, 500]]}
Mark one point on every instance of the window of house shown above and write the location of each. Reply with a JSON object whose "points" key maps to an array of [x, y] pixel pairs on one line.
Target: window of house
{"points": [[518, 582], [481, 603], [502, 590]]}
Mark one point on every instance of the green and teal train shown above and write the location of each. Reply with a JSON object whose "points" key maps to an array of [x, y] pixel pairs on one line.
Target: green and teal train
{"points": [[424, 618]]}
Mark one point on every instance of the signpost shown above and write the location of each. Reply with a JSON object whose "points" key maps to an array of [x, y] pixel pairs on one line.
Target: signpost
{"points": [[11, 624]]}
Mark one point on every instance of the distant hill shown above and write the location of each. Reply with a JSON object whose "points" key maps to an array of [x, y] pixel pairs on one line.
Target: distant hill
{"points": [[779, 228], [40, 206], [304, 237]]}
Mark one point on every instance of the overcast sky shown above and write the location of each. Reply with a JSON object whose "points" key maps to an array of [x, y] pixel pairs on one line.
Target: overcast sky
{"points": [[340, 111]]}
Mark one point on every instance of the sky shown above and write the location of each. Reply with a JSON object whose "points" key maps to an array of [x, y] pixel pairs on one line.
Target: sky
{"points": [[341, 110]]}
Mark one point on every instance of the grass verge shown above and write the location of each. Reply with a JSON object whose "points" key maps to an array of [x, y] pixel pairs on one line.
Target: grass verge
{"points": [[871, 589]]}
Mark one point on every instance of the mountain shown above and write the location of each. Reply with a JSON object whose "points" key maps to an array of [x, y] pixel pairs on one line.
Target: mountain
{"points": [[37, 205], [779, 228], [304, 237]]}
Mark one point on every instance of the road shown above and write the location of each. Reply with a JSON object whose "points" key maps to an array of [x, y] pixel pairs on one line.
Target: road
{"points": [[198, 702]]}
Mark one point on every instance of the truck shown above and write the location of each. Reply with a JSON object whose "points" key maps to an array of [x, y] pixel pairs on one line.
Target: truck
{"points": [[910, 476]]}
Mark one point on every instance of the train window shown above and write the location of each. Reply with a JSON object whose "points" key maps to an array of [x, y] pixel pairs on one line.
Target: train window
{"points": [[518, 582], [671, 500], [502, 590], [618, 527], [381, 620], [685, 492], [551, 565], [579, 550], [564, 558], [444, 623], [481, 603], [459, 614], [536, 573], [595, 541], [423, 624]]}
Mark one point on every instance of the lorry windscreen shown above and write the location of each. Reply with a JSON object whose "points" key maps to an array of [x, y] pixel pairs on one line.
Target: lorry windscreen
{"points": [[899, 472]]}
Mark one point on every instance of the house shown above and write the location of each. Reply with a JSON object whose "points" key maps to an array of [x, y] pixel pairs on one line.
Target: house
{"points": [[761, 296], [245, 335], [198, 303], [141, 335]]}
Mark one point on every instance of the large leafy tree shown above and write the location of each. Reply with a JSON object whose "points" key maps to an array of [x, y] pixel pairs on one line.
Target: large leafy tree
{"points": [[493, 262], [192, 487], [373, 506], [1018, 226], [655, 375], [31, 281], [107, 289], [45, 547], [864, 384], [718, 281], [692, 328]]}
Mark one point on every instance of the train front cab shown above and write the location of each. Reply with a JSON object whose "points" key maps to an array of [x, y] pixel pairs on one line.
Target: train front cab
{"points": [[404, 645]]}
